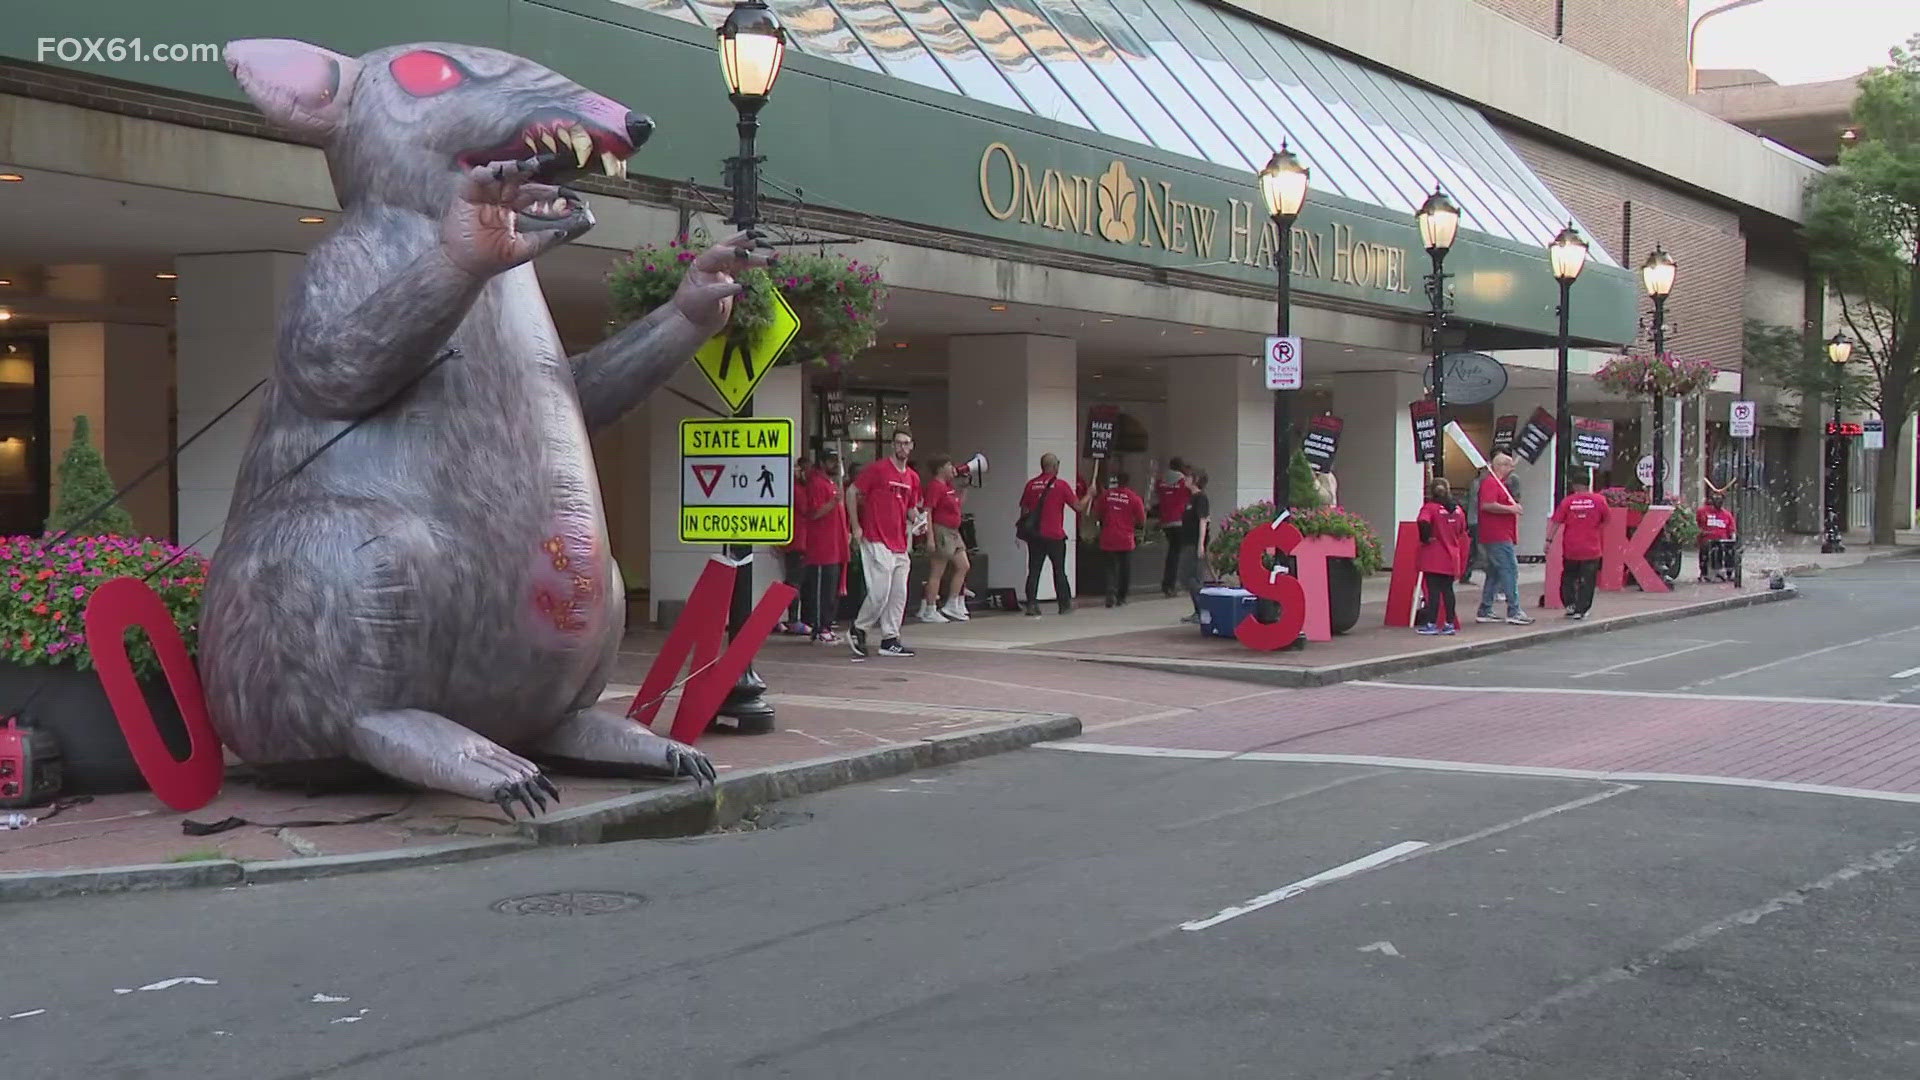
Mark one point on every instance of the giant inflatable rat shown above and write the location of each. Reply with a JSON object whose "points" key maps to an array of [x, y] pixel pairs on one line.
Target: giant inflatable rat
{"points": [[433, 596]]}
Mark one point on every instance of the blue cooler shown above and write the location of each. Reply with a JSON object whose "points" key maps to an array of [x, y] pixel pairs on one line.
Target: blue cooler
{"points": [[1221, 609]]}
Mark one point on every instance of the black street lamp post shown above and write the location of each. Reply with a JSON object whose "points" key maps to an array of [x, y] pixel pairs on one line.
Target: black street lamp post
{"points": [[752, 46], [1657, 275], [1283, 186], [1439, 219], [1839, 351], [1568, 253]]}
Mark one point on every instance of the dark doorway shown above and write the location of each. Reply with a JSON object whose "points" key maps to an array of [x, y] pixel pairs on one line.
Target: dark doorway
{"points": [[25, 467]]}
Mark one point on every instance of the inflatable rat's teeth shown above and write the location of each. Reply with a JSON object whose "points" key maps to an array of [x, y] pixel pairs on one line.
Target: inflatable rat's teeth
{"points": [[612, 166], [582, 145], [546, 138]]}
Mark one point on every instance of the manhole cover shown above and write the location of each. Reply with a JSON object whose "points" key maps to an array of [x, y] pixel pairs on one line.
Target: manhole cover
{"points": [[569, 903]]}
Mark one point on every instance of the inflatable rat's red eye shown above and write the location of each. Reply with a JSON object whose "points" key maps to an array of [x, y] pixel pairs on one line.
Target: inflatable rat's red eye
{"points": [[424, 74]]}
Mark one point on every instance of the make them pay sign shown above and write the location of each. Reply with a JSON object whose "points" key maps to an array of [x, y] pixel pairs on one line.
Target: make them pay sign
{"points": [[736, 367], [736, 481]]}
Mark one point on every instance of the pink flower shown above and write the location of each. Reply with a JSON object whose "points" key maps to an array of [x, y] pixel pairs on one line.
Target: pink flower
{"points": [[79, 591]]}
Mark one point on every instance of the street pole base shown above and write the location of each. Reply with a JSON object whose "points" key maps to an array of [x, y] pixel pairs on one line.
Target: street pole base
{"points": [[747, 705]]}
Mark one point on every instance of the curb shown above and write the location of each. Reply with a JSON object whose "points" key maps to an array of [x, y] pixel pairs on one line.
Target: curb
{"points": [[1301, 678], [679, 810]]}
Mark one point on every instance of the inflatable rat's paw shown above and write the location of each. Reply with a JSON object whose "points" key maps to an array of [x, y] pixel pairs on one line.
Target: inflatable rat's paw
{"points": [[505, 216], [705, 296], [684, 760], [528, 792], [430, 750]]}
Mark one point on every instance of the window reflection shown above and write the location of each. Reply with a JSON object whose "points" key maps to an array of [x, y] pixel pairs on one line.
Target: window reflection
{"points": [[1052, 47], [1265, 47], [893, 42], [818, 30], [1411, 190], [1017, 63], [1246, 141], [1154, 76], [965, 63], [1100, 56]]}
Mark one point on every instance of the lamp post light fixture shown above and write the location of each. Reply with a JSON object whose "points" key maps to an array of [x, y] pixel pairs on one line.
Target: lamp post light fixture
{"points": [[1657, 275], [1839, 351], [753, 46], [1439, 220], [1568, 254], [1283, 187]]}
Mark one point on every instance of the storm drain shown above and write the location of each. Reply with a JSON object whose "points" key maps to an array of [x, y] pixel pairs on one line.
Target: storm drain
{"points": [[569, 903]]}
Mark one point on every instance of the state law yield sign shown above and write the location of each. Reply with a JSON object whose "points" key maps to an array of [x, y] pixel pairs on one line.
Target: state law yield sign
{"points": [[736, 481], [736, 367]]}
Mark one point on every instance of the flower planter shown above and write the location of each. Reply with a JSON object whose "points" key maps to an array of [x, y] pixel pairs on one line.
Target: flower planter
{"points": [[72, 706], [1343, 593]]}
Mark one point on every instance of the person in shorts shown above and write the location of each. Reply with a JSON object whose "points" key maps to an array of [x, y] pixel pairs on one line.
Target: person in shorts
{"points": [[946, 552]]}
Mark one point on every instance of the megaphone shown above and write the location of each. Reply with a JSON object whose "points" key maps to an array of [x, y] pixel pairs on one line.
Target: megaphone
{"points": [[974, 472]]}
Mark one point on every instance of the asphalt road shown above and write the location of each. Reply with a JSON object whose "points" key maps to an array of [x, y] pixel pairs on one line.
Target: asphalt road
{"points": [[1853, 635], [1028, 916]]}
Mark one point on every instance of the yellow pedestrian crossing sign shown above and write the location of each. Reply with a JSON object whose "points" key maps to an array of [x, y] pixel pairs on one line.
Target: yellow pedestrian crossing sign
{"points": [[735, 368]]}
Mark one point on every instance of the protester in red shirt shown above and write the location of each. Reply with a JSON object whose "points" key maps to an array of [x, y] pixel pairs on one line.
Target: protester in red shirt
{"points": [[1170, 499], [1499, 532], [824, 553], [1051, 496], [880, 500], [1443, 555], [1121, 511], [1583, 515], [946, 551], [1716, 523]]}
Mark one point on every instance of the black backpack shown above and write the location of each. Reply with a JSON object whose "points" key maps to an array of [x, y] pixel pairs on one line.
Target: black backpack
{"points": [[1027, 528]]}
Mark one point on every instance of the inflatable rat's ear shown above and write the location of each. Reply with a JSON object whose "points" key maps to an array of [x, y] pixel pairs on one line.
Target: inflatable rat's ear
{"points": [[300, 87]]}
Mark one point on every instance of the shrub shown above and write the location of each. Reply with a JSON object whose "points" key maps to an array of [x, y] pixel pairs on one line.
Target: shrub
{"points": [[84, 485], [1223, 547]]}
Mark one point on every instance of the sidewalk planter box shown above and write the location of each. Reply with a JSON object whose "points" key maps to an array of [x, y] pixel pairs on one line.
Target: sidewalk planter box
{"points": [[1343, 593], [72, 706], [1221, 610]]}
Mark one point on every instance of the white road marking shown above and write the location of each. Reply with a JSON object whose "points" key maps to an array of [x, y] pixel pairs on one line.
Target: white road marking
{"points": [[322, 999], [1384, 948], [24, 1015], [1801, 656], [1650, 659], [1878, 862], [168, 984], [1491, 769], [1907, 674], [1288, 892], [1657, 694]]}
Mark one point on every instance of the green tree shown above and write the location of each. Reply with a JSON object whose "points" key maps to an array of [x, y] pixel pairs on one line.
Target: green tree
{"points": [[1301, 492], [1863, 237], [1789, 358], [84, 485]]}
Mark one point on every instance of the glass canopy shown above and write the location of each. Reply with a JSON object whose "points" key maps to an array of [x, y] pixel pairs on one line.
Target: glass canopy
{"points": [[1188, 78]]}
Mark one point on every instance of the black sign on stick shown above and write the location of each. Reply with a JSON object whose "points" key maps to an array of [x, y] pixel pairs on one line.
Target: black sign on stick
{"points": [[1323, 441], [1592, 442], [835, 427], [1534, 437], [1101, 421], [1426, 429], [1503, 431]]}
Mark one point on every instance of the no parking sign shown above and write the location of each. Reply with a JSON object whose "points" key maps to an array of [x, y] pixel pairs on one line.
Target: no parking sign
{"points": [[1740, 420], [1283, 363]]}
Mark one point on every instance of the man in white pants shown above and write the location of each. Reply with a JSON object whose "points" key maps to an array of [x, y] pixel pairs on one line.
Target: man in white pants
{"points": [[879, 501]]}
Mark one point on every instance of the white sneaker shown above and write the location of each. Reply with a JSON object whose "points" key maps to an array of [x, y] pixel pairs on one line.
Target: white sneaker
{"points": [[929, 614], [955, 610]]}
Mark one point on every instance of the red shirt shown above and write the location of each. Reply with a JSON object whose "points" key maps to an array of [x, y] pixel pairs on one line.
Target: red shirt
{"points": [[1497, 528], [886, 491], [1173, 502], [1583, 516], [1715, 524], [826, 535], [1121, 510], [1446, 552], [1053, 525], [943, 503]]}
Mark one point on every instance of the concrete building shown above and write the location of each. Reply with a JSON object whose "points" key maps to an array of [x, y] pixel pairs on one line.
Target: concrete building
{"points": [[1059, 192]]}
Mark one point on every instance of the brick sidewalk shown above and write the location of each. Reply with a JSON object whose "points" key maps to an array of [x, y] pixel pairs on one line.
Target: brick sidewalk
{"points": [[1851, 745]]}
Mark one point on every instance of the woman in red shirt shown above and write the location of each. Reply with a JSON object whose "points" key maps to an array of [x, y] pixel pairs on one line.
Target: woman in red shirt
{"points": [[1443, 551], [946, 551], [825, 554]]}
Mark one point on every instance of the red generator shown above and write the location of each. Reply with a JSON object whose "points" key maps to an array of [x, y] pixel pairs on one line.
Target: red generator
{"points": [[30, 770]]}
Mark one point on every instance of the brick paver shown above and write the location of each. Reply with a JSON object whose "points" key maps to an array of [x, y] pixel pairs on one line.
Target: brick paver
{"points": [[1862, 745]]}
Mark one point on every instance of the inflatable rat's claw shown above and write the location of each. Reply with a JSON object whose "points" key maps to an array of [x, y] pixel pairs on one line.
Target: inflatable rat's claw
{"points": [[528, 792], [547, 786], [503, 796]]}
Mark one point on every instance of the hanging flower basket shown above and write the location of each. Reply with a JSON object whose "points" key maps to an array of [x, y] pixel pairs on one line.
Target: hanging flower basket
{"points": [[838, 300], [1644, 375]]}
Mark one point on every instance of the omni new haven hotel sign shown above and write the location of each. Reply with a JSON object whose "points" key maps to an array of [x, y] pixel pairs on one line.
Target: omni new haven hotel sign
{"points": [[1142, 212]]}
